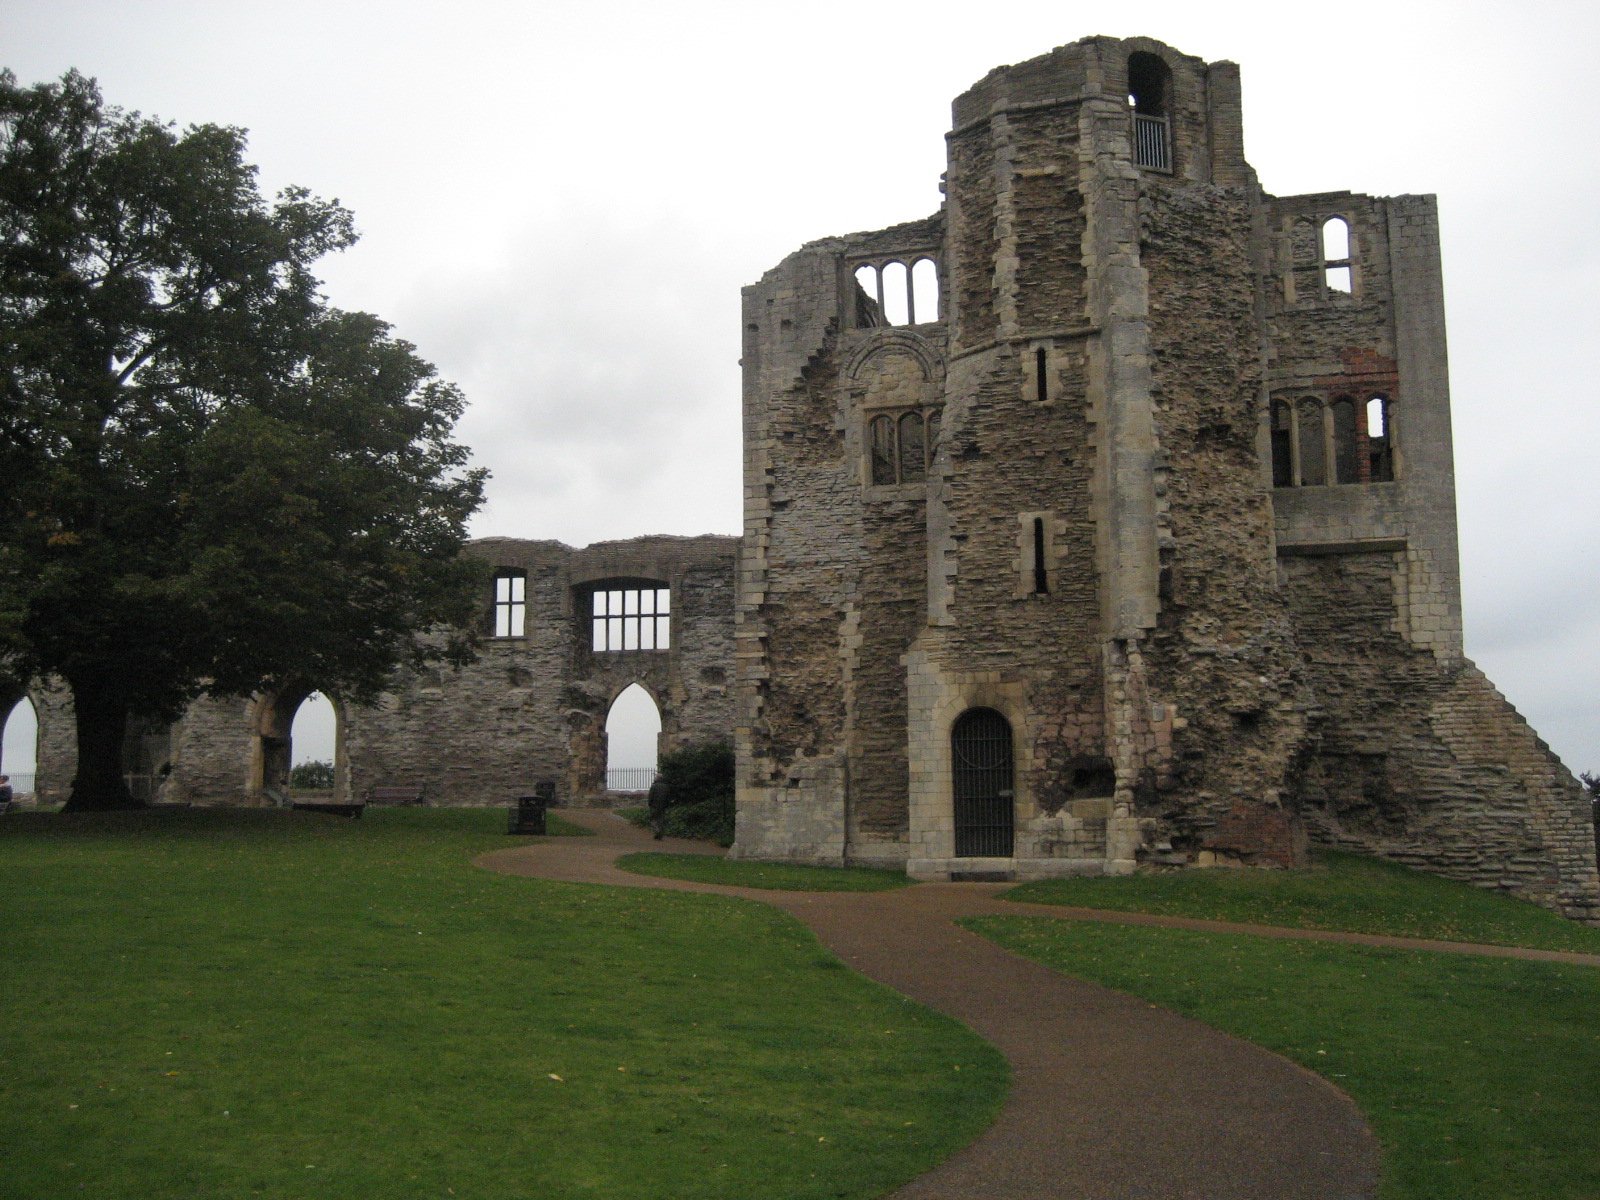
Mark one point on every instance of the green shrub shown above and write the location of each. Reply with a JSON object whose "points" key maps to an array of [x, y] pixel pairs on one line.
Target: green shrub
{"points": [[313, 776], [699, 783]]}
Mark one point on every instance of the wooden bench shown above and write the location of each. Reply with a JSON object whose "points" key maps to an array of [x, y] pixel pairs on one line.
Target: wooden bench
{"points": [[389, 794], [352, 811]]}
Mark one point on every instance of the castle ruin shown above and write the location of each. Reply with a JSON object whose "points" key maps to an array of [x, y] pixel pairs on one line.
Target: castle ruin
{"points": [[1103, 519], [1106, 517]]}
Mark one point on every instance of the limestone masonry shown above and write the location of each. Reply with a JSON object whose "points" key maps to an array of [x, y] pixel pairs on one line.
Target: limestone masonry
{"points": [[1104, 518], [1131, 540]]}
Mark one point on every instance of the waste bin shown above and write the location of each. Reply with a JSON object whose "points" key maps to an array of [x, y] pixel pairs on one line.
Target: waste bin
{"points": [[529, 814]]}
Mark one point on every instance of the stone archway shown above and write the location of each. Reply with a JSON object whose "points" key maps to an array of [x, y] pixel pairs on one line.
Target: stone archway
{"points": [[272, 752], [633, 725]]}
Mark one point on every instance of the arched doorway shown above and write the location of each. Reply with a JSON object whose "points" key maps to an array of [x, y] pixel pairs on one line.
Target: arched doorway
{"points": [[633, 733], [19, 748], [277, 754], [313, 744], [981, 766]]}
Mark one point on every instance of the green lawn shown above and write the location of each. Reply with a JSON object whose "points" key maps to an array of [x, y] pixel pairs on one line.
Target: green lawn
{"points": [[223, 1004], [1344, 891], [1480, 1075], [784, 877]]}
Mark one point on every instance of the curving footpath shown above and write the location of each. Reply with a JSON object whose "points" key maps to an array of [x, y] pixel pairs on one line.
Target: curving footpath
{"points": [[1111, 1098]]}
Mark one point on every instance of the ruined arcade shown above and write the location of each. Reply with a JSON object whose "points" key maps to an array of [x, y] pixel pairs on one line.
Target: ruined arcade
{"points": [[1106, 517]]}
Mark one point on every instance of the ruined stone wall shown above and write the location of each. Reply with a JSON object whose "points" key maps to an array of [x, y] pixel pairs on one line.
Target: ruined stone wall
{"points": [[531, 708], [1222, 656], [1419, 760], [534, 707], [1098, 536]]}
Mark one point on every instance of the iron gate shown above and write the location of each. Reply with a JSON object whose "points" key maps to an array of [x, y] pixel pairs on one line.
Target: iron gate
{"points": [[980, 754]]}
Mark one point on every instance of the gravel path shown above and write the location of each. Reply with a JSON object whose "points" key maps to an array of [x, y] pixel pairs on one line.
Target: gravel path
{"points": [[1112, 1098]]}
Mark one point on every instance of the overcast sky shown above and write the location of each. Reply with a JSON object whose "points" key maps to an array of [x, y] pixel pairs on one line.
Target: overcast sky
{"points": [[560, 201]]}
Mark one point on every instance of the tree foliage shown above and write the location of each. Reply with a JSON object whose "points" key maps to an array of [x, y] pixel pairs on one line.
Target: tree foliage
{"points": [[211, 481]]}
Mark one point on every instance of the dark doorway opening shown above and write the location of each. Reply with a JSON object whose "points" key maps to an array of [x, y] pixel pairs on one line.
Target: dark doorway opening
{"points": [[985, 808]]}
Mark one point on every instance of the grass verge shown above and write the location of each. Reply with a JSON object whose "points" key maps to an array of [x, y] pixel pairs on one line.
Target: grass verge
{"points": [[241, 1003], [1344, 891], [785, 877], [1477, 1073]]}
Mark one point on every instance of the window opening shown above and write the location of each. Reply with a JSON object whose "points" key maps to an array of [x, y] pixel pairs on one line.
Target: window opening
{"points": [[913, 449], [896, 293], [883, 470], [1313, 459], [19, 748], [1148, 84], [1346, 468], [1336, 263], [1380, 445], [981, 779], [633, 731], [900, 446], [924, 291], [893, 294], [631, 618], [869, 297], [1041, 375], [1041, 576], [510, 603], [1282, 444]]}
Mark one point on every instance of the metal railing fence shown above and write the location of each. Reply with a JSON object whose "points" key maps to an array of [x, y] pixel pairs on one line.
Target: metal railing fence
{"points": [[630, 779]]}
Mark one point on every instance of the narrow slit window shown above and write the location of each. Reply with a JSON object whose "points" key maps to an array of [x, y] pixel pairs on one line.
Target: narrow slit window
{"points": [[1041, 375], [1041, 573], [631, 618], [510, 604]]}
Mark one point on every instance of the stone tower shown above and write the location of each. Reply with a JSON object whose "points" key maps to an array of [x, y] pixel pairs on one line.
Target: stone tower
{"points": [[1107, 516]]}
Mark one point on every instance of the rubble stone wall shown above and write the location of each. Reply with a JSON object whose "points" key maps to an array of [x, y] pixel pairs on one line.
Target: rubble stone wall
{"points": [[531, 708], [1200, 660]]}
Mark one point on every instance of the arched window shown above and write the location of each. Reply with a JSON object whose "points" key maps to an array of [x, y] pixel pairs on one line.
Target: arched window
{"points": [[913, 449], [869, 297], [890, 293], [1313, 443], [1346, 460], [1149, 85], [1282, 444], [510, 602], [900, 446], [924, 291], [1337, 274], [1380, 441], [896, 282], [981, 784]]}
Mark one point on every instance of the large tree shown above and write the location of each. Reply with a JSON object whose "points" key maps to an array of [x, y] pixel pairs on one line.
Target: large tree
{"points": [[211, 481]]}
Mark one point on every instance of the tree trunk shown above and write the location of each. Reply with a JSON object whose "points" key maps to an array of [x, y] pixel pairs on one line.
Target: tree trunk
{"points": [[102, 722]]}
